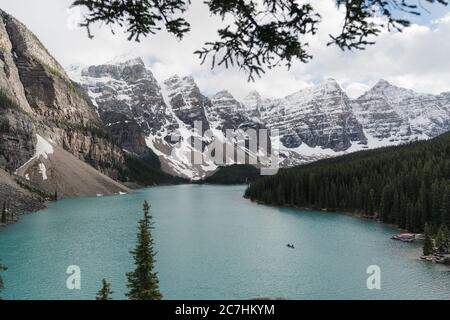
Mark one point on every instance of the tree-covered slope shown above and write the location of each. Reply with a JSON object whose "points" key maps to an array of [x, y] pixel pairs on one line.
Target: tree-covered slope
{"points": [[407, 185], [235, 174], [146, 171]]}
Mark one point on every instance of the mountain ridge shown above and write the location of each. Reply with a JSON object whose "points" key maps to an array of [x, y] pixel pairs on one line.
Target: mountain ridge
{"points": [[314, 123]]}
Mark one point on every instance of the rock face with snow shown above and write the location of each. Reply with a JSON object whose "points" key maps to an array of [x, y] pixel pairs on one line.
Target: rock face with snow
{"points": [[138, 112], [399, 115], [37, 97], [187, 103], [226, 112], [252, 102], [318, 117], [55, 171], [128, 100], [142, 115]]}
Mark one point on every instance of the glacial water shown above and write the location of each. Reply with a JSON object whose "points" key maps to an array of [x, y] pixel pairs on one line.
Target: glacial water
{"points": [[212, 244]]}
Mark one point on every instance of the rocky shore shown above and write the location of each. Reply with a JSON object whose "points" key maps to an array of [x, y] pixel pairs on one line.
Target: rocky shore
{"points": [[17, 197]]}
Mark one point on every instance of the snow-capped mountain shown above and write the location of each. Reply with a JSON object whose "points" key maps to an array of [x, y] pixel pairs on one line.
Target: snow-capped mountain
{"points": [[320, 116], [313, 123], [228, 113], [142, 115], [188, 104], [253, 101], [397, 114], [129, 101]]}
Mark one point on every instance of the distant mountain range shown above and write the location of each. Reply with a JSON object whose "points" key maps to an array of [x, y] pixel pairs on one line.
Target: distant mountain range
{"points": [[313, 123]]}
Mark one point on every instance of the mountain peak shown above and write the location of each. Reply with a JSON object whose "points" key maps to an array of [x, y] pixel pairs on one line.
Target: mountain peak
{"points": [[391, 90], [331, 82], [223, 94], [173, 78], [382, 84], [252, 100], [254, 94], [126, 59], [177, 78]]}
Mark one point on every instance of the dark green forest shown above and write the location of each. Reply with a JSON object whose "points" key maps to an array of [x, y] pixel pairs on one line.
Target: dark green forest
{"points": [[407, 185], [147, 171], [235, 174]]}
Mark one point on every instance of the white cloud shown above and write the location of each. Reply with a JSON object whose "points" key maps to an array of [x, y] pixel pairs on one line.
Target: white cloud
{"points": [[416, 58], [355, 89]]}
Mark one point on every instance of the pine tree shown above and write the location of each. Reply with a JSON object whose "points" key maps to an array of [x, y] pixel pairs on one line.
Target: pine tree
{"points": [[105, 292], [442, 239], [436, 202], [143, 283], [428, 242], [2, 268], [445, 212], [425, 206]]}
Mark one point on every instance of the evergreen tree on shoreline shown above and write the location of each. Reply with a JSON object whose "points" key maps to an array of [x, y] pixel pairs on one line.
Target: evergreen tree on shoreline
{"points": [[143, 283], [105, 292], [428, 242], [442, 239]]}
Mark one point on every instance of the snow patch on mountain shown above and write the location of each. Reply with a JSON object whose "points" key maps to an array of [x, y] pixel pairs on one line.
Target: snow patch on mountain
{"points": [[43, 149], [43, 171]]}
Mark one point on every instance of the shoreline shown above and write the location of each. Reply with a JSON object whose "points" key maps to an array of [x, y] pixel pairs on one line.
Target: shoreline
{"points": [[45, 204], [17, 215], [325, 210]]}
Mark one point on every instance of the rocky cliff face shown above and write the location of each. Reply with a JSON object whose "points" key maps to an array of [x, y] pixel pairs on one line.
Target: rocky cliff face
{"points": [[128, 100], [187, 103], [252, 102], [18, 138], [38, 97], [226, 112], [379, 118], [318, 117]]}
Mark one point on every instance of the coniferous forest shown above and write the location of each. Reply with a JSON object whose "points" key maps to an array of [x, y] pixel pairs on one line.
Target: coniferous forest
{"points": [[407, 185]]}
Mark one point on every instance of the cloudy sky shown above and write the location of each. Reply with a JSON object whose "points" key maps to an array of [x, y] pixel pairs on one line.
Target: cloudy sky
{"points": [[417, 59]]}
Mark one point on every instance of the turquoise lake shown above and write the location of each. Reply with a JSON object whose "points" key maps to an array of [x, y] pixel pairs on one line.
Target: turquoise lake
{"points": [[212, 244]]}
